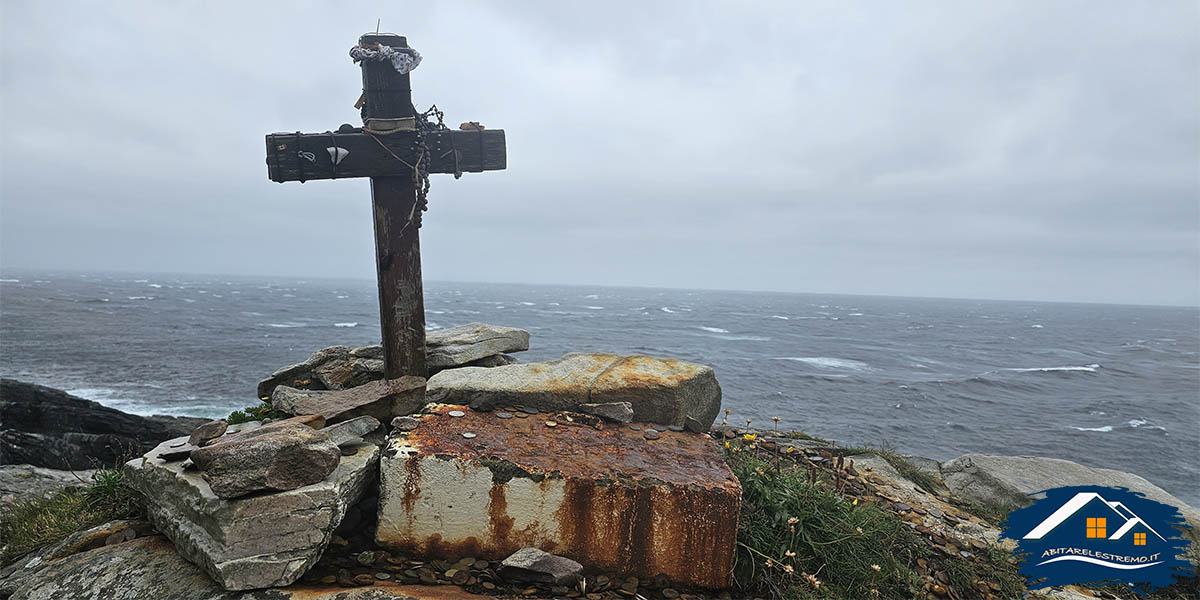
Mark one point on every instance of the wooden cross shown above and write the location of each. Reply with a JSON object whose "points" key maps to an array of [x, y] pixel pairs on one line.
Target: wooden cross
{"points": [[389, 159]]}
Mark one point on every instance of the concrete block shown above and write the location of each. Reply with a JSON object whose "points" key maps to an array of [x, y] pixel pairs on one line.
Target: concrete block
{"points": [[488, 484]]}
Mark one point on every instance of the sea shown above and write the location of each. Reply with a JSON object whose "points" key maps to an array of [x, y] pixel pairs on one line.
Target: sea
{"points": [[1103, 385]]}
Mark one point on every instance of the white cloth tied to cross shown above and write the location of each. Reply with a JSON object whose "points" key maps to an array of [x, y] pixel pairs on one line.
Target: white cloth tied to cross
{"points": [[403, 59]]}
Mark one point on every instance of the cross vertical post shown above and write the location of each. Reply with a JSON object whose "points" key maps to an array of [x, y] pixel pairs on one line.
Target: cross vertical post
{"points": [[397, 239]]}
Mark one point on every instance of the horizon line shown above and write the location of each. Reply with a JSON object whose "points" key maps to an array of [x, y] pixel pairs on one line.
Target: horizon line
{"points": [[75, 270]]}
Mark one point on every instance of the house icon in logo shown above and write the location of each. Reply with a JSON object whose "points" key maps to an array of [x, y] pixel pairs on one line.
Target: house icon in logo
{"points": [[1089, 515]]}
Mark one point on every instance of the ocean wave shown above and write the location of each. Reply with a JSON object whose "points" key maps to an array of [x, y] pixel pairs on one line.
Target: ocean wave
{"points": [[594, 307], [737, 338], [348, 324], [714, 329], [527, 303], [1088, 368], [432, 326], [592, 296], [827, 362], [667, 310], [287, 325], [1035, 326], [1130, 424], [140, 297], [10, 281], [779, 317]]}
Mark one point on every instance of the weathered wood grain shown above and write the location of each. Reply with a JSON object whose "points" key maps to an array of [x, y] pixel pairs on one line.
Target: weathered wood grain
{"points": [[478, 151]]}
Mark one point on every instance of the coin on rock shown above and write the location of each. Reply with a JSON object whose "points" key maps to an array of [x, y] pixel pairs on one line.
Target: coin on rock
{"points": [[551, 424], [504, 415], [457, 413], [468, 435]]}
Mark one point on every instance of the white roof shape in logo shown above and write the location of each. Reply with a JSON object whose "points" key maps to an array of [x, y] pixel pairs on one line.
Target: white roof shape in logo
{"points": [[1130, 524], [1071, 507]]}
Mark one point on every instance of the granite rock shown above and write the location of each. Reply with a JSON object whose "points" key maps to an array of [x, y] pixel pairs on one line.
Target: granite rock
{"points": [[254, 541], [457, 346], [665, 391], [276, 456], [382, 399]]}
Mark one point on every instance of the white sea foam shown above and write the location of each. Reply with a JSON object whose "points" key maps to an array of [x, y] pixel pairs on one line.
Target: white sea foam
{"points": [[1036, 326], [667, 310], [431, 326], [349, 324], [527, 304], [1105, 429], [828, 362], [288, 325], [10, 281], [140, 280], [1088, 368], [779, 317], [342, 297], [188, 300], [594, 307], [592, 297], [854, 314], [714, 329], [154, 285], [141, 297]]}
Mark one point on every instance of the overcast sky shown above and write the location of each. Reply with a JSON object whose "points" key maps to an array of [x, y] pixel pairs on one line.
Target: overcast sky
{"points": [[1019, 150]]}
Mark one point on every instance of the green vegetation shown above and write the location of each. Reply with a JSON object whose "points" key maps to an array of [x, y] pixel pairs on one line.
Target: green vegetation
{"points": [[799, 539], [254, 413], [909, 471], [993, 512], [29, 525]]}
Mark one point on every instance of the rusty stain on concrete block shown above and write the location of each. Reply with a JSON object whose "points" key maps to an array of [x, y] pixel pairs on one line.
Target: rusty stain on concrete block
{"points": [[602, 495]]}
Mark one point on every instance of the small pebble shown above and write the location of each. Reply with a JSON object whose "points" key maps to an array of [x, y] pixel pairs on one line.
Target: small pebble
{"points": [[504, 415], [529, 410], [551, 424], [468, 435], [457, 413], [650, 434], [179, 444]]}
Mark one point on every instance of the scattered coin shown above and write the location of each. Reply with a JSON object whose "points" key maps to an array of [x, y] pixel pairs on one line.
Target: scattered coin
{"points": [[676, 429], [529, 409], [457, 413], [504, 415], [468, 435], [650, 434], [551, 424], [635, 427], [383, 576], [521, 415], [179, 444]]}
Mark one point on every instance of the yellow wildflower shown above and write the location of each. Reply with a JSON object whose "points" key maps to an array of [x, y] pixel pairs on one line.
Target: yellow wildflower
{"points": [[750, 437]]}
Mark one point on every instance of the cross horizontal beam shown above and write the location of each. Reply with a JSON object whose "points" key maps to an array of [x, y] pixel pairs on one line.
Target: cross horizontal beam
{"points": [[305, 156]]}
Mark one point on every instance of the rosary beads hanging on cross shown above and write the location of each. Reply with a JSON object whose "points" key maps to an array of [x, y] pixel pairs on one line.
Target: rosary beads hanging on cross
{"points": [[398, 148]]}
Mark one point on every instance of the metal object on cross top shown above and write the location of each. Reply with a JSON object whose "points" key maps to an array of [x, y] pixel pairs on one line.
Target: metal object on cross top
{"points": [[398, 150]]}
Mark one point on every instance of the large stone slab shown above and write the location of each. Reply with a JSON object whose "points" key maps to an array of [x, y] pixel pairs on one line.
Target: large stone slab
{"points": [[342, 367], [1010, 479], [607, 498], [660, 390], [149, 568], [276, 456], [255, 541], [457, 346], [382, 399]]}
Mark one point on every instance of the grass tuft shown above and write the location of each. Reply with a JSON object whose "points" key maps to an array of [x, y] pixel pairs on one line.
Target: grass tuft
{"points": [[32, 524], [254, 413]]}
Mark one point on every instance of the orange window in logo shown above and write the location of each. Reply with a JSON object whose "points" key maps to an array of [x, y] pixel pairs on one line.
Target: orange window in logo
{"points": [[1097, 527], [1139, 539]]}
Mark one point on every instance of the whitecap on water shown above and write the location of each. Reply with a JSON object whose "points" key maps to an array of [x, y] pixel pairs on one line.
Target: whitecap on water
{"points": [[827, 362], [1088, 368], [714, 329], [1036, 326], [779, 317], [349, 324], [594, 307], [431, 326], [10, 281], [288, 325], [666, 310]]}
